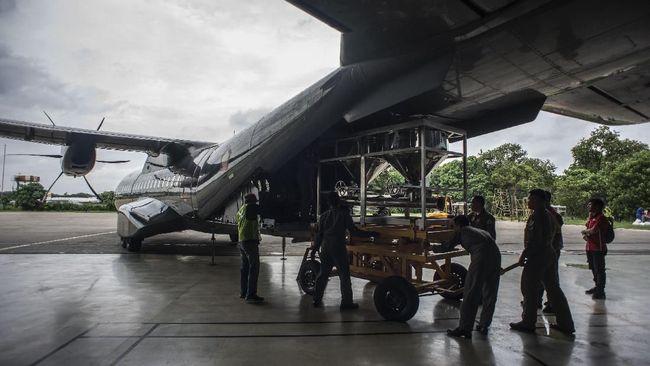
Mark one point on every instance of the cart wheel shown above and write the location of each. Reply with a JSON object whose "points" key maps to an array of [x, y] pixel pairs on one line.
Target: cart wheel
{"points": [[307, 276], [457, 281], [396, 299]]}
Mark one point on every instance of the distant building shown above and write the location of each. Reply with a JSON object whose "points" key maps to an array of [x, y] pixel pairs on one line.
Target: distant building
{"points": [[74, 200]]}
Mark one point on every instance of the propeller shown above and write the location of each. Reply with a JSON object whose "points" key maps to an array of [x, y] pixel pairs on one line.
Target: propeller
{"points": [[43, 155], [49, 188], [48, 117], [58, 156], [113, 161], [92, 190], [101, 123]]}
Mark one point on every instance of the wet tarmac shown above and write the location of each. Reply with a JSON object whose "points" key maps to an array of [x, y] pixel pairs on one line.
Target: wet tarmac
{"points": [[169, 305]]}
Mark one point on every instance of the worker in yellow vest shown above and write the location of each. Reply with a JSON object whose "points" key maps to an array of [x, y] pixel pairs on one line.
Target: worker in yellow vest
{"points": [[249, 241]]}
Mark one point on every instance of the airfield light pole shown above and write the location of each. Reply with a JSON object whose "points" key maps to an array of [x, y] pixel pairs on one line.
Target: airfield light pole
{"points": [[4, 158]]}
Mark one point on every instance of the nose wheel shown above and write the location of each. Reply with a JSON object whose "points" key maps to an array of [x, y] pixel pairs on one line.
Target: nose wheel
{"points": [[132, 244]]}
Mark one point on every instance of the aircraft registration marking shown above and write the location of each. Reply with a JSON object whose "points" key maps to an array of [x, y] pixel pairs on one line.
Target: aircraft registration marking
{"points": [[58, 240]]}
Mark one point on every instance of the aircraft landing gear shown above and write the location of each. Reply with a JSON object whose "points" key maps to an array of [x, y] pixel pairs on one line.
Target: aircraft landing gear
{"points": [[132, 244]]}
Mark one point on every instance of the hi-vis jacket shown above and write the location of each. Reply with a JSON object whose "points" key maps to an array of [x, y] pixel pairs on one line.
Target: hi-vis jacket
{"points": [[247, 225]]}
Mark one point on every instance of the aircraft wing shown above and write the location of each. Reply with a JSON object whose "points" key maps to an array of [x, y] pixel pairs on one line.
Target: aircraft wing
{"points": [[57, 135], [509, 58]]}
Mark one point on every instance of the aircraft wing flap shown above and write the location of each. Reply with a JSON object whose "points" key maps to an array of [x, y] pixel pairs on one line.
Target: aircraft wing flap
{"points": [[620, 99], [353, 16], [57, 135]]}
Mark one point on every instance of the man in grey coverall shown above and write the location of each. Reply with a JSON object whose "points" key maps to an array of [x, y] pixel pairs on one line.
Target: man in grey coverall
{"points": [[330, 239], [482, 279]]}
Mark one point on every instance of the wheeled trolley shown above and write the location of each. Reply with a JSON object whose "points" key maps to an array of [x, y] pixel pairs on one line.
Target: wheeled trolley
{"points": [[399, 260], [403, 270]]}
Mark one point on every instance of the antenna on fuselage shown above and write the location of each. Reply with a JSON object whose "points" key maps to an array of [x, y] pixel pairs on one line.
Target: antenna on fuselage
{"points": [[101, 123]]}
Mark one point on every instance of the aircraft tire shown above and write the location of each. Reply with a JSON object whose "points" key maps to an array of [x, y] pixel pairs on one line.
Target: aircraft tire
{"points": [[458, 273], [307, 276], [123, 242], [134, 245], [396, 299]]}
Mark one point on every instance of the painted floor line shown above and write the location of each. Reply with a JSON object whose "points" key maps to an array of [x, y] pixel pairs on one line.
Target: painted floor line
{"points": [[57, 240]]}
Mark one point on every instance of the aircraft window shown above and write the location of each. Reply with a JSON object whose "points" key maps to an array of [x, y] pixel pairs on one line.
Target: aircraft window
{"points": [[219, 159], [201, 156]]}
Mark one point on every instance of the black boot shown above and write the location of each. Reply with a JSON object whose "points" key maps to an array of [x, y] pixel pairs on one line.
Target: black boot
{"points": [[459, 333]]}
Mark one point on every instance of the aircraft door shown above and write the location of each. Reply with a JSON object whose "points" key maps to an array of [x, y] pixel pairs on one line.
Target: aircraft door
{"points": [[199, 161]]}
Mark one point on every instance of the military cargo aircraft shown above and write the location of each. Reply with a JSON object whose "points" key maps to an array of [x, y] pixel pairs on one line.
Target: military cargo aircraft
{"points": [[474, 65]]}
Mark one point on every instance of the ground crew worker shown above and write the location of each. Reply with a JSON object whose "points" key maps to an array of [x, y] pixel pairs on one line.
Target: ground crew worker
{"points": [[480, 218], [558, 244], [330, 239], [596, 248], [249, 242], [482, 279], [540, 268]]}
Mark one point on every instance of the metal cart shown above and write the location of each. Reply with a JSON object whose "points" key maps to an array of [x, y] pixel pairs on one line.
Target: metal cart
{"points": [[399, 260]]}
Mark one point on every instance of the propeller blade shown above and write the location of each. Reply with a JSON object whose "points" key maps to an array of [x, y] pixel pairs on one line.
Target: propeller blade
{"points": [[48, 117], [43, 155], [101, 123], [91, 188], [50, 187], [112, 161]]}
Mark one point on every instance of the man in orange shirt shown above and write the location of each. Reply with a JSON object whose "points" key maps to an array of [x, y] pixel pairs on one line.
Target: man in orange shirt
{"points": [[596, 248]]}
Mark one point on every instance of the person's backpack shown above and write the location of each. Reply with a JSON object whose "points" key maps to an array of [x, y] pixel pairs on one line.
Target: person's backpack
{"points": [[609, 233]]}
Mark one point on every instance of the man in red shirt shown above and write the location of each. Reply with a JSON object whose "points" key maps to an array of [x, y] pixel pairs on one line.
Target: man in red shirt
{"points": [[596, 248]]}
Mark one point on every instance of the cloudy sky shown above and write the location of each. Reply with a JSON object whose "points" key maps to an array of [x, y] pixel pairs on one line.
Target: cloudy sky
{"points": [[188, 69]]}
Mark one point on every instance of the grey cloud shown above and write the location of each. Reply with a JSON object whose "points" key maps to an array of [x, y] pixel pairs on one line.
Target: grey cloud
{"points": [[7, 6], [26, 84]]}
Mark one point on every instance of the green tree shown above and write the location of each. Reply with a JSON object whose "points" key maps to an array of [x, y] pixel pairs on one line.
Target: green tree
{"points": [[509, 167], [450, 175], [629, 185], [604, 148], [108, 200], [29, 196], [509, 152], [575, 187], [387, 178]]}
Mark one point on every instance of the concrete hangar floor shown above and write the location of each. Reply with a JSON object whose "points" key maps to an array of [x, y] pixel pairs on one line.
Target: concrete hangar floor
{"points": [[69, 295]]}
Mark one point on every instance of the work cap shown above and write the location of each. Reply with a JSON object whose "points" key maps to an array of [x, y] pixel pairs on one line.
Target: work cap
{"points": [[251, 197]]}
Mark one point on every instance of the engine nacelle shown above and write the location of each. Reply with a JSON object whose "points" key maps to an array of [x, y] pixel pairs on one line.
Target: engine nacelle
{"points": [[78, 158]]}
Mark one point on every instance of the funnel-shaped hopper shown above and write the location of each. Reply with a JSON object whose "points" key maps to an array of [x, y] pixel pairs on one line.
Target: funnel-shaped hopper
{"points": [[408, 163], [373, 168]]}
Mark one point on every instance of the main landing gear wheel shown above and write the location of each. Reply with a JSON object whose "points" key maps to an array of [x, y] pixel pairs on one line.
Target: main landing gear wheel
{"points": [[123, 242], [307, 276], [456, 281], [133, 244], [396, 299]]}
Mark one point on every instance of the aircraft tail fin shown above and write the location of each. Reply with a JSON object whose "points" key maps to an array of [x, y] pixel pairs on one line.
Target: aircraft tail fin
{"points": [[378, 29]]}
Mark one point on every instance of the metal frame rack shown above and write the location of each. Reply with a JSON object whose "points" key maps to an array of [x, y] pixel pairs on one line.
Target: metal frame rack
{"points": [[428, 140]]}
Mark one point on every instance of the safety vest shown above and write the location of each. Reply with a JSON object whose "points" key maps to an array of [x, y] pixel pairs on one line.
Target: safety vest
{"points": [[247, 229]]}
